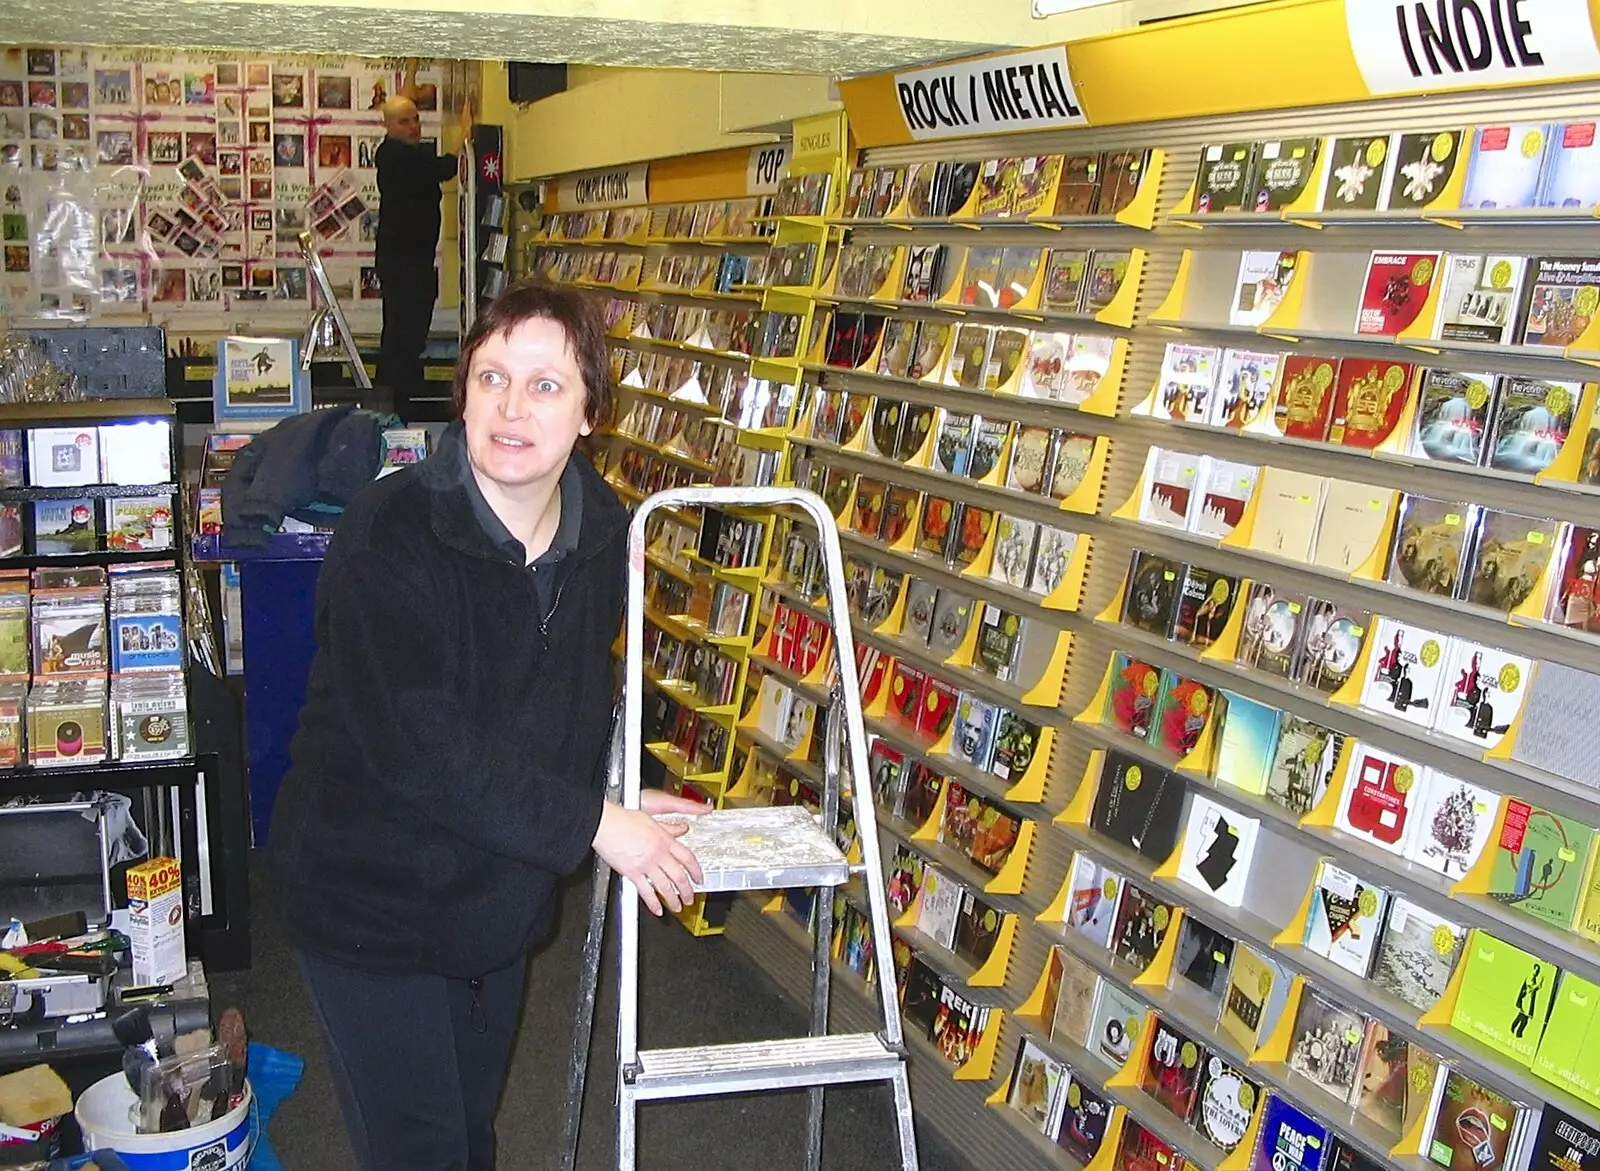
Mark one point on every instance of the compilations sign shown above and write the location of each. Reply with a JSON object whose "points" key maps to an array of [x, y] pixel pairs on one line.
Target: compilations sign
{"points": [[1030, 90], [1412, 46]]}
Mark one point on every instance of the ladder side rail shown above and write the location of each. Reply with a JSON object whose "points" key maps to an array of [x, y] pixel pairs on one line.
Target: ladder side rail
{"points": [[849, 685]]}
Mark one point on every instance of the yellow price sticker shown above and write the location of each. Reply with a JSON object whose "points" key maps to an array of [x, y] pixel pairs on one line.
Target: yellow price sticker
{"points": [[1109, 888], [1074, 1095], [1587, 300], [1247, 1096], [1510, 678], [1443, 143], [989, 920], [1452, 518], [1444, 940], [1189, 1055], [1430, 653], [1368, 903], [1404, 778], [1133, 778], [1535, 538], [1477, 394], [1567, 854], [1377, 151], [1161, 917]]}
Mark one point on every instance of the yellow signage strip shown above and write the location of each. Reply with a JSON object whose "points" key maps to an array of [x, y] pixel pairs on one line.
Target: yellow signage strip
{"points": [[1211, 64]]}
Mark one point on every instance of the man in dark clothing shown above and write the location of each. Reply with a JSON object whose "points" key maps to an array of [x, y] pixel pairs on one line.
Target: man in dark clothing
{"points": [[409, 175]]}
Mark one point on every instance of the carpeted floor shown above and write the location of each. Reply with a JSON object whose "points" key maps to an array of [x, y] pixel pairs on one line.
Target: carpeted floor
{"points": [[696, 990]]}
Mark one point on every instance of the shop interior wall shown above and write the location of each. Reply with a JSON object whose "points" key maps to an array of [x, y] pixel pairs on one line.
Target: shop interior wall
{"points": [[610, 116]]}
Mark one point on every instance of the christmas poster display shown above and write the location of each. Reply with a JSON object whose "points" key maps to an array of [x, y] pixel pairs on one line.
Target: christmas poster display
{"points": [[176, 184]]}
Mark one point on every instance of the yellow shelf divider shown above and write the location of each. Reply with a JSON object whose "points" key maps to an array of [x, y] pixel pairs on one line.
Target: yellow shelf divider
{"points": [[1239, 537], [1129, 508], [1103, 401], [1310, 198], [1130, 1075], [928, 831], [1568, 463], [890, 627], [1185, 206], [1349, 693], [1321, 815], [1171, 307], [964, 654], [1047, 692], [1376, 564], [1119, 311], [1030, 789], [1141, 209], [878, 708], [1069, 591], [1001, 1094], [1239, 1158], [1476, 880], [980, 1066], [1197, 761], [1082, 804], [1444, 1009], [1286, 315], [1226, 647], [1159, 973], [907, 541], [908, 917], [1419, 332], [1031, 298], [1086, 497], [1009, 880], [1094, 711], [993, 972], [1033, 1007], [1112, 611], [1056, 912], [1294, 932], [1105, 1159], [984, 561], [1275, 1049]]}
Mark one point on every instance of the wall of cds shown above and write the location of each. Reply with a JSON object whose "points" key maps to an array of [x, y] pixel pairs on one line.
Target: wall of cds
{"points": [[174, 185]]}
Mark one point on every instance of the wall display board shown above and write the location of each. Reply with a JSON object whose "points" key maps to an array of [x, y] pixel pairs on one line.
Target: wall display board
{"points": [[706, 264], [174, 185], [1219, 499]]}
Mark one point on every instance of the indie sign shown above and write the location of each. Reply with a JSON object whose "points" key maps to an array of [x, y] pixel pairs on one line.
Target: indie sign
{"points": [[1030, 90], [1409, 46]]}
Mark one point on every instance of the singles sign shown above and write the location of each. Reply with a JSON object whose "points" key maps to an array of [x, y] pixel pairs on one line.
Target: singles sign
{"points": [[1031, 90], [620, 187], [1410, 46]]}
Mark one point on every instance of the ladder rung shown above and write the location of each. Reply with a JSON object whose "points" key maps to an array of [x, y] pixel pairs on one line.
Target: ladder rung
{"points": [[763, 1065]]}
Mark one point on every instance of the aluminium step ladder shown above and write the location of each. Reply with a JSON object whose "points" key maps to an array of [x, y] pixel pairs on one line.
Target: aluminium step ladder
{"points": [[328, 325], [741, 850]]}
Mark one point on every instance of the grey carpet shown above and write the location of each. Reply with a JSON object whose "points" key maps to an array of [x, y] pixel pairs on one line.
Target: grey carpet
{"points": [[695, 991]]}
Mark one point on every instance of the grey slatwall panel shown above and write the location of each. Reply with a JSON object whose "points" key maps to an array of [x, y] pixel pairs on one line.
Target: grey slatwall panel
{"points": [[990, 1137]]}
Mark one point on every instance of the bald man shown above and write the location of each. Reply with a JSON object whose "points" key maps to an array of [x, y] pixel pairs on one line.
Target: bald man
{"points": [[409, 176]]}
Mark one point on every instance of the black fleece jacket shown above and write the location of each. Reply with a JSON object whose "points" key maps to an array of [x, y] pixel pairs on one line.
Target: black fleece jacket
{"points": [[448, 769]]}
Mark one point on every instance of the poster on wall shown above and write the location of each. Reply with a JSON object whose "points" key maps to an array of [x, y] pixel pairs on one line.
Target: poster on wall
{"points": [[175, 185]]}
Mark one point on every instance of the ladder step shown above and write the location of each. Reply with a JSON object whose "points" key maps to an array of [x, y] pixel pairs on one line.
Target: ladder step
{"points": [[762, 849], [764, 1065]]}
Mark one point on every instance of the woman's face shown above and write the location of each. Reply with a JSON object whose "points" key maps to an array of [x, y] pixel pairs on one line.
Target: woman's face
{"points": [[524, 405]]}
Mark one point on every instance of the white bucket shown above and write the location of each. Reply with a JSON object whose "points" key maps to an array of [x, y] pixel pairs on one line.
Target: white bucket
{"points": [[106, 1112]]}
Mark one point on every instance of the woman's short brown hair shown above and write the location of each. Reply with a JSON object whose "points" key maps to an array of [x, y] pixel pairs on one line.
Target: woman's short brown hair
{"points": [[576, 312]]}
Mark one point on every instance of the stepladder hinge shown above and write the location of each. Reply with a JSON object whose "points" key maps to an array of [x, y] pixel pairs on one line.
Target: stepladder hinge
{"points": [[631, 1072]]}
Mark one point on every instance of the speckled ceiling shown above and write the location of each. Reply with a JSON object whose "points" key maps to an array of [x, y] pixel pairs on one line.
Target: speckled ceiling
{"points": [[830, 36]]}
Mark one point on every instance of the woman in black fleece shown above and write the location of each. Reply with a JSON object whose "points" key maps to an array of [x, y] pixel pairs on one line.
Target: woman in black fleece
{"points": [[448, 769]]}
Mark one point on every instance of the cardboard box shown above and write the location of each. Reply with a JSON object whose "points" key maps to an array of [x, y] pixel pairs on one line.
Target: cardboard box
{"points": [[155, 921]]}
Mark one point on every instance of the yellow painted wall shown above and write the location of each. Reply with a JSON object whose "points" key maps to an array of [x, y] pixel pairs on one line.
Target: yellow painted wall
{"points": [[611, 116]]}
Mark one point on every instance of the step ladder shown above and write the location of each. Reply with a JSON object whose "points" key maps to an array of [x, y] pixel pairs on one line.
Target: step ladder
{"points": [[328, 325], [749, 849]]}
